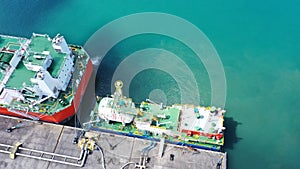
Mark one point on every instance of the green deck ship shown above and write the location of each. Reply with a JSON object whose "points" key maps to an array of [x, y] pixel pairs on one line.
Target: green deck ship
{"points": [[186, 125], [42, 78]]}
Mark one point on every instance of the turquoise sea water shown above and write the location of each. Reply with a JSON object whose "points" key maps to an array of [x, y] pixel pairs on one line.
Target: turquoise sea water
{"points": [[258, 44]]}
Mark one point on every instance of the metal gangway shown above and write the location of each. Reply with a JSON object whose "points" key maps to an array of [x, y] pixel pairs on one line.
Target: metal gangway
{"points": [[17, 150]]}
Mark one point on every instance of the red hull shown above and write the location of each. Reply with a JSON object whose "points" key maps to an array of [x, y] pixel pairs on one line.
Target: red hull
{"points": [[64, 114], [208, 135]]}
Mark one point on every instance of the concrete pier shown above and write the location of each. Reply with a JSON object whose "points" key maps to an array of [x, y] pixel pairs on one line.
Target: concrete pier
{"points": [[118, 150]]}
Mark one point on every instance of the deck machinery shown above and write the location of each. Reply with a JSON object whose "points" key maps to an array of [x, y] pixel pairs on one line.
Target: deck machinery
{"points": [[187, 125], [42, 78]]}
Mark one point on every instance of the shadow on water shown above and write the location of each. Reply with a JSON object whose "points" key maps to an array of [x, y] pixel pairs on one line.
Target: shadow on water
{"points": [[230, 133]]}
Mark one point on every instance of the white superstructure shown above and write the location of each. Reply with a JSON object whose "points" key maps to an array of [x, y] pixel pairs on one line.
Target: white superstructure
{"points": [[45, 83], [117, 108]]}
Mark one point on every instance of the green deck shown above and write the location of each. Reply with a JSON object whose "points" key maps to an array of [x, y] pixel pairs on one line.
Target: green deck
{"points": [[6, 57], [173, 116], [40, 44], [6, 41], [20, 75]]}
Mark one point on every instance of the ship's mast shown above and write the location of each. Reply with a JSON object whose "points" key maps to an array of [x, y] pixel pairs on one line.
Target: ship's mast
{"points": [[118, 92]]}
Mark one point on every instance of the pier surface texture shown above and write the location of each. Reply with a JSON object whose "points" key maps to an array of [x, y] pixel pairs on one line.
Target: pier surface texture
{"points": [[118, 150]]}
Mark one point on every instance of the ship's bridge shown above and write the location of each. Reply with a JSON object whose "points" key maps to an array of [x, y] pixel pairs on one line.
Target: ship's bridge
{"points": [[36, 61], [46, 67], [50, 77]]}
